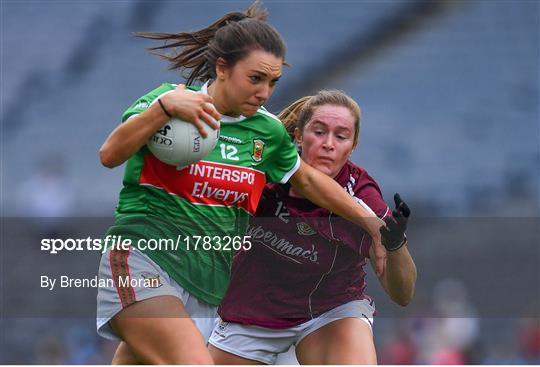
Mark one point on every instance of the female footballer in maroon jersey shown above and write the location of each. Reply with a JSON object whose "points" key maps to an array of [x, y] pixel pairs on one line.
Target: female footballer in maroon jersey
{"points": [[302, 283], [239, 59]]}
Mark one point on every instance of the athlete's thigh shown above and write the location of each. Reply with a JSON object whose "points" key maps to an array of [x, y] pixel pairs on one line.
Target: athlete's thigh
{"points": [[222, 357], [160, 331], [124, 355], [345, 341]]}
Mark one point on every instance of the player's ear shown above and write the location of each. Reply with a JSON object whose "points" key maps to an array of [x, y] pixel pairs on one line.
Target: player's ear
{"points": [[221, 68], [297, 136]]}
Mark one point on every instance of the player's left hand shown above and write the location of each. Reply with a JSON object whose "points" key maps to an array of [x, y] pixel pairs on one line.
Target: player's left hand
{"points": [[393, 233]]}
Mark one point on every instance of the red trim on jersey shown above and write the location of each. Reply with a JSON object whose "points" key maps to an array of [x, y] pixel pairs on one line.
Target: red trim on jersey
{"points": [[115, 275], [207, 183], [131, 291], [118, 260]]}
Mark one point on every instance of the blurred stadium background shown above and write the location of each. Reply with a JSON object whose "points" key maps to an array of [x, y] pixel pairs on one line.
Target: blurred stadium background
{"points": [[450, 99]]}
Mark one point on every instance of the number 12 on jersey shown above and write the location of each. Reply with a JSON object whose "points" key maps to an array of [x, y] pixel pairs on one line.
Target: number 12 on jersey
{"points": [[229, 152]]}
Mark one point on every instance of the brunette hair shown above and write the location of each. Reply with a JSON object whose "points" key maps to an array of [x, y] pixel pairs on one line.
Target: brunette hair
{"points": [[232, 37]]}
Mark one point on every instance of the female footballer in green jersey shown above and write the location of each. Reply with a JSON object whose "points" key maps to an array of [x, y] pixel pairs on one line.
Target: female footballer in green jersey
{"points": [[240, 58]]}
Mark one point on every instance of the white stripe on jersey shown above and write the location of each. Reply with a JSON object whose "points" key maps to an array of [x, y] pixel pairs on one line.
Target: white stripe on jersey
{"points": [[292, 171], [349, 189], [265, 112]]}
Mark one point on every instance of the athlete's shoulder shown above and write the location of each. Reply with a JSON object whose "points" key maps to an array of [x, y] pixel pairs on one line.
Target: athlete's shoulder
{"points": [[194, 88], [364, 188], [271, 120], [264, 112], [358, 175], [160, 90], [142, 103]]}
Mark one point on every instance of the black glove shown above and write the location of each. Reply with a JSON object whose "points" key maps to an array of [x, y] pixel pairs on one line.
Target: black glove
{"points": [[393, 234]]}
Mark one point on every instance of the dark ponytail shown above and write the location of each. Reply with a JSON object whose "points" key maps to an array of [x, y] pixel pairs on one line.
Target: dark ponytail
{"points": [[231, 37]]}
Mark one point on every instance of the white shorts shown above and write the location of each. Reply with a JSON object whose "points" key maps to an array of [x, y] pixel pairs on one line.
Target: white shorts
{"points": [[264, 344], [146, 280]]}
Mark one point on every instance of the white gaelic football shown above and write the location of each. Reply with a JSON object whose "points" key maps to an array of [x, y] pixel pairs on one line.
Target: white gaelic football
{"points": [[179, 143]]}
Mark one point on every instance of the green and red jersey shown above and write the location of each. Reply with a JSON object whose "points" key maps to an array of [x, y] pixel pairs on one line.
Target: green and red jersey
{"points": [[213, 197]]}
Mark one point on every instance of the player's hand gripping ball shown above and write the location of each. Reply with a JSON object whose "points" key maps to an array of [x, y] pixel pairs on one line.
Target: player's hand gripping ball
{"points": [[393, 234], [179, 143]]}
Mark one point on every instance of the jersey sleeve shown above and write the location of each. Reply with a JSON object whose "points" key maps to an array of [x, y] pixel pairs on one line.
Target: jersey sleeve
{"points": [[142, 104], [366, 192], [285, 158]]}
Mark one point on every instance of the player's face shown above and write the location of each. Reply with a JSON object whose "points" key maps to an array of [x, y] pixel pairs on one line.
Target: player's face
{"points": [[328, 138], [250, 82]]}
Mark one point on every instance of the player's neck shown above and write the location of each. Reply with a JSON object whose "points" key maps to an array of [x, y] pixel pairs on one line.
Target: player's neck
{"points": [[217, 93]]}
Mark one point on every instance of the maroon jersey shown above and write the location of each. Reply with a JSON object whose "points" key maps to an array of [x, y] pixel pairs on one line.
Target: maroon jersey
{"points": [[304, 260]]}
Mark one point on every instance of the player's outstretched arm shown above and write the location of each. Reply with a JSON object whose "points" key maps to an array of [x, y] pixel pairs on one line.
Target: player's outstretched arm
{"points": [[399, 277], [130, 136], [327, 193]]}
